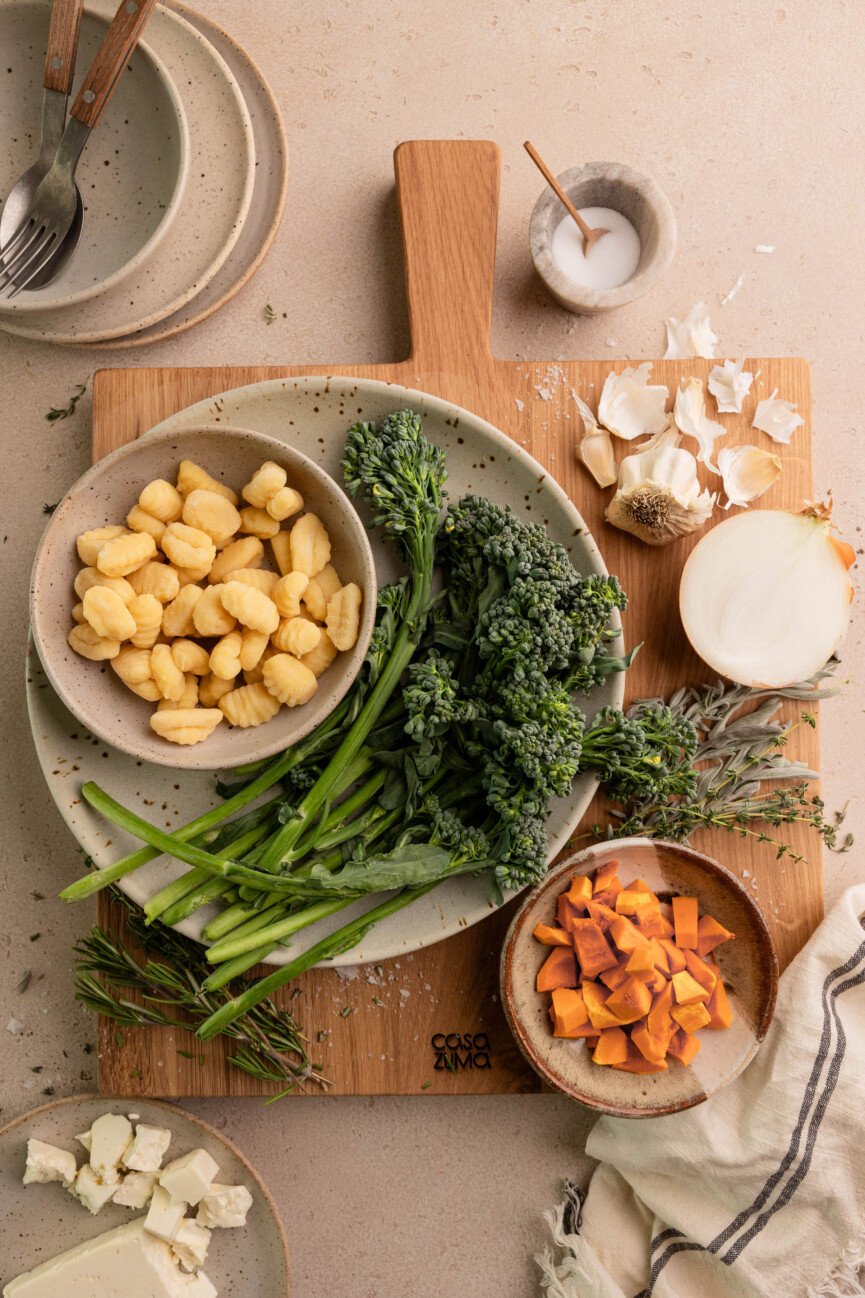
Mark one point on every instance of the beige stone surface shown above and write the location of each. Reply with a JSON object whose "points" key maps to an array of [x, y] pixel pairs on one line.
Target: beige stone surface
{"points": [[751, 117]]}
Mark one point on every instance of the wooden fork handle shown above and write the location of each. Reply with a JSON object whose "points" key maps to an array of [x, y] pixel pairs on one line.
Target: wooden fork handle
{"points": [[105, 71], [62, 45]]}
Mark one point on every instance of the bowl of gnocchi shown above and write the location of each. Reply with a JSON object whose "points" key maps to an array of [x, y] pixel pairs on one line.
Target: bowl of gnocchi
{"points": [[203, 599]]}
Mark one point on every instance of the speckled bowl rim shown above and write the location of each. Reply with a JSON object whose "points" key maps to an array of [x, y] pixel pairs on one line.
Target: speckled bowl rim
{"points": [[195, 757], [581, 863], [593, 300], [186, 1116], [23, 306]]}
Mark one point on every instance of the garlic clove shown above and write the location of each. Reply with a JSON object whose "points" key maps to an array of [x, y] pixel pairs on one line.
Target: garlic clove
{"points": [[668, 436], [596, 447], [630, 406], [689, 414], [777, 418], [659, 497], [730, 384], [690, 337], [746, 472]]}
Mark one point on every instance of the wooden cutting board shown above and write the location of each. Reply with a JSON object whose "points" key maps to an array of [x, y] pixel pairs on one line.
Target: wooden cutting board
{"points": [[431, 1023]]}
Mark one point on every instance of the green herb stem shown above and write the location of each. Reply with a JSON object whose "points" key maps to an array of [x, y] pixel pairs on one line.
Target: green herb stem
{"points": [[275, 932]]}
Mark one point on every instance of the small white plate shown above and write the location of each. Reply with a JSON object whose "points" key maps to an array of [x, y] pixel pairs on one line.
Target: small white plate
{"points": [[132, 172], [40, 1221], [211, 214]]}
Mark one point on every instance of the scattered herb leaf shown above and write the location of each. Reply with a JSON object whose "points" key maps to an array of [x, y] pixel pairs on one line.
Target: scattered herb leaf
{"points": [[24, 982], [269, 313], [63, 412]]}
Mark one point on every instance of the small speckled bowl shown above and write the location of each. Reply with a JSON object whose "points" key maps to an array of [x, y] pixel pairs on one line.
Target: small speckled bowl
{"points": [[605, 184], [748, 963], [105, 494]]}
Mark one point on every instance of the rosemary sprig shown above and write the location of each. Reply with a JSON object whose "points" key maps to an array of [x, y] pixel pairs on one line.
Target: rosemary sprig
{"points": [[738, 753], [170, 984], [63, 412]]}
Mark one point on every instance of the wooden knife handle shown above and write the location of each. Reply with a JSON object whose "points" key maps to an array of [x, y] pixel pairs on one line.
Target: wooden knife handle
{"points": [[62, 45], [448, 195], [111, 58]]}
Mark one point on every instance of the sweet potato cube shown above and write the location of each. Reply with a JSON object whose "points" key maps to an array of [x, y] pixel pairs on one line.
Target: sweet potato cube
{"points": [[687, 990], [594, 952], [631, 899], [612, 1047], [570, 1012], [639, 885], [683, 1046], [690, 1017], [547, 935], [701, 972], [719, 1007], [595, 999], [613, 978], [592, 1041], [657, 982], [675, 957], [602, 915], [558, 970], [631, 1001], [580, 892], [685, 912], [626, 935], [652, 1048], [653, 923], [637, 1063], [566, 915], [607, 884], [710, 934], [604, 874], [647, 959]]}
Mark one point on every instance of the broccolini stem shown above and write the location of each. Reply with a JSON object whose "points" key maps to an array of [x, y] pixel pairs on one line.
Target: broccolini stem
{"points": [[275, 932]]}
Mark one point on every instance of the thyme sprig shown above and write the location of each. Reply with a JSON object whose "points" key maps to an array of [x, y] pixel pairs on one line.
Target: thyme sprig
{"points": [[63, 412], [169, 984], [740, 750]]}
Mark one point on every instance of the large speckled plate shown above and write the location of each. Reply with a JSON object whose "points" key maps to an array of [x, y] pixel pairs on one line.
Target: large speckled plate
{"points": [[40, 1221], [312, 414]]}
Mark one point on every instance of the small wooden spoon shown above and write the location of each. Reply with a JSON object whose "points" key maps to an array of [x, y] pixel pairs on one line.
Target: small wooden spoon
{"points": [[590, 237]]}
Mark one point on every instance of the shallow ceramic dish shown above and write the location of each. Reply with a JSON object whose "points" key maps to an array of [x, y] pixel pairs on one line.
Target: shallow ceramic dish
{"points": [[313, 415], [105, 494], [212, 211], [132, 174], [40, 1221], [749, 966]]}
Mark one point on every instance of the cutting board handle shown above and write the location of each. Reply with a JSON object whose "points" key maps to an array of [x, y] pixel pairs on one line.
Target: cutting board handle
{"points": [[448, 195]]}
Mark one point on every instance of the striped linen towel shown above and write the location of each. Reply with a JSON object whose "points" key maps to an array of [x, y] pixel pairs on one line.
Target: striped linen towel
{"points": [[760, 1191]]}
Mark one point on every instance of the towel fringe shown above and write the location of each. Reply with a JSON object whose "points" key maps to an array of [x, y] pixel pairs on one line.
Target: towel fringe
{"points": [[845, 1279], [559, 1277]]}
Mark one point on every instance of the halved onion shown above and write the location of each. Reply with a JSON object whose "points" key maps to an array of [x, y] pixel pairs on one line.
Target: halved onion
{"points": [[765, 596]]}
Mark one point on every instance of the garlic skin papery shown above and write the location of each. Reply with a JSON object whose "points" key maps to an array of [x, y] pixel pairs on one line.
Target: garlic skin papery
{"points": [[746, 472], [659, 498], [596, 447], [630, 406], [690, 337], [777, 418], [765, 596], [689, 414], [730, 384]]}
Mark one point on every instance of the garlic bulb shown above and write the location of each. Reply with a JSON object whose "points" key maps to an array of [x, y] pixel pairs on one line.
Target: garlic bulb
{"points": [[689, 414], [690, 337], [777, 418], [765, 595], [596, 447], [746, 472], [629, 406], [730, 384], [658, 498]]}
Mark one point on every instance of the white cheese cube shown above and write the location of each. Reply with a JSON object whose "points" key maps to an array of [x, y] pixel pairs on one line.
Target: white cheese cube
{"points": [[164, 1215], [136, 1189], [190, 1177], [93, 1190], [125, 1261], [48, 1163], [84, 1139], [225, 1206], [110, 1137], [190, 1244], [147, 1149]]}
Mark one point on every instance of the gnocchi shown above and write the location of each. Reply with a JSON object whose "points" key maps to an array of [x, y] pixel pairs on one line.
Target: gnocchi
{"points": [[192, 614]]}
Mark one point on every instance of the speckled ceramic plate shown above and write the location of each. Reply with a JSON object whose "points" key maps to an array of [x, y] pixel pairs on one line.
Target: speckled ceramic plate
{"points": [[313, 415], [749, 966], [211, 214], [40, 1221], [132, 173]]}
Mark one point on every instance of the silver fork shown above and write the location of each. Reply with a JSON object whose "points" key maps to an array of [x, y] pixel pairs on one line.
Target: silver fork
{"points": [[52, 210]]}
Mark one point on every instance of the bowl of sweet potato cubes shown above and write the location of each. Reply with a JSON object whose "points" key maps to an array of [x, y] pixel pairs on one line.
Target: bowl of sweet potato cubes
{"points": [[639, 977]]}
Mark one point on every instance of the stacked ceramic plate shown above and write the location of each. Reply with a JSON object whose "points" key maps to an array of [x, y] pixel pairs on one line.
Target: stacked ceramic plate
{"points": [[183, 183]]}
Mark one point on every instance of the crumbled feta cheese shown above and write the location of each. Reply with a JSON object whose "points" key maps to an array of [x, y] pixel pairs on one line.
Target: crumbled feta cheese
{"points": [[225, 1206], [164, 1215], [147, 1150], [48, 1163], [84, 1139], [190, 1177], [110, 1137], [136, 1189], [190, 1244], [94, 1190]]}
